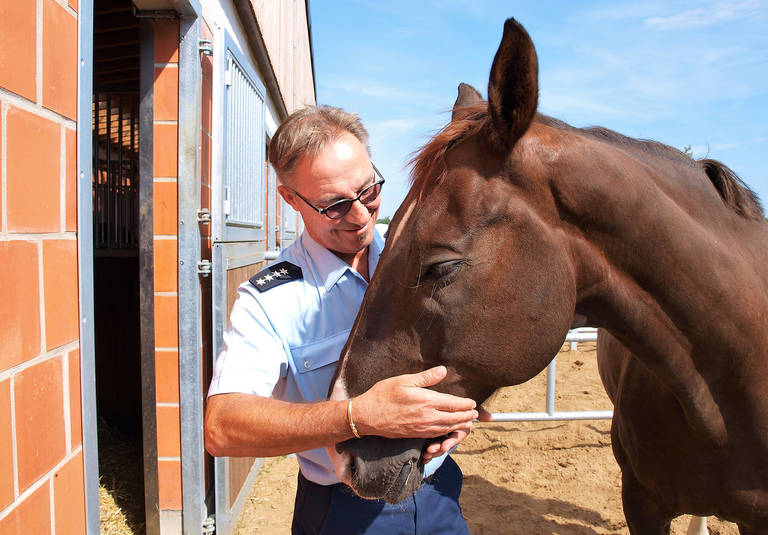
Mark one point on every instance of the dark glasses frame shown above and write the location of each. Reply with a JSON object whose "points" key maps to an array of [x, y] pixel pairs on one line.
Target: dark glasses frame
{"points": [[342, 207]]}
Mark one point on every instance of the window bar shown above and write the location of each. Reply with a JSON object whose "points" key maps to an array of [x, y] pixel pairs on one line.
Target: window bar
{"points": [[119, 219]]}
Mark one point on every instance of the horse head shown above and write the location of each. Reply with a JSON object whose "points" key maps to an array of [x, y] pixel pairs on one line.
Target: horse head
{"points": [[465, 230]]}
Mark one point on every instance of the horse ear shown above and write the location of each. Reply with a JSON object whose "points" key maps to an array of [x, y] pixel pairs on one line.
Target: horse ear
{"points": [[468, 95], [513, 87]]}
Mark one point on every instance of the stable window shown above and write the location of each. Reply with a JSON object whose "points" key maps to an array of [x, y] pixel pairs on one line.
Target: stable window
{"points": [[243, 154]]}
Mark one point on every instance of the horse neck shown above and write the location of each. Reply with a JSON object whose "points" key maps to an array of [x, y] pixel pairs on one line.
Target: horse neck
{"points": [[675, 287]]}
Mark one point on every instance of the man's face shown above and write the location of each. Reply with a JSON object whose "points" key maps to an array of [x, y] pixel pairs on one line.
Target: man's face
{"points": [[339, 172]]}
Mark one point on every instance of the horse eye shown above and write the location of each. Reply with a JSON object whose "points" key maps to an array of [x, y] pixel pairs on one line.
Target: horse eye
{"points": [[442, 270]]}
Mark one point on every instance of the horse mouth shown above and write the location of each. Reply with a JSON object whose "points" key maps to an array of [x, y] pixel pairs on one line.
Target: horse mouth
{"points": [[403, 484], [391, 477], [406, 483]]}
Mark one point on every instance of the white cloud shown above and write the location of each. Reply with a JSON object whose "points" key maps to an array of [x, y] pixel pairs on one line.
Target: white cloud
{"points": [[370, 89], [705, 16]]}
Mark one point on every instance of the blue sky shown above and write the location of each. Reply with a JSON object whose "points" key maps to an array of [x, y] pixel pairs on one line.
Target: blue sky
{"points": [[683, 73]]}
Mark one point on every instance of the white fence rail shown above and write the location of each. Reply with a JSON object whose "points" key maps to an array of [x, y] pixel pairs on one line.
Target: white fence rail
{"points": [[574, 337]]}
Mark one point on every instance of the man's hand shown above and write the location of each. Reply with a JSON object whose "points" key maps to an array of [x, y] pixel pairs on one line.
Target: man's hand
{"points": [[451, 441], [403, 407]]}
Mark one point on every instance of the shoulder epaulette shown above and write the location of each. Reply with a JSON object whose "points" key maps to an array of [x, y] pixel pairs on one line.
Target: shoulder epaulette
{"points": [[275, 276]]}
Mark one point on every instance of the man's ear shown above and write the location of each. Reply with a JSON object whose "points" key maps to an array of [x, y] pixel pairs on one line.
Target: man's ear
{"points": [[288, 196]]}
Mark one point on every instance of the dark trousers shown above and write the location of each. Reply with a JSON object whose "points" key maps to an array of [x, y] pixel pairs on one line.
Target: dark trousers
{"points": [[336, 510]]}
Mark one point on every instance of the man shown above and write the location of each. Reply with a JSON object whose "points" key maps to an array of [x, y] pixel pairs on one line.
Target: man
{"points": [[288, 326]]}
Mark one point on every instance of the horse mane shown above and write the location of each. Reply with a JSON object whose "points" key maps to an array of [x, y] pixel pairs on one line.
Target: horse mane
{"points": [[428, 163]]}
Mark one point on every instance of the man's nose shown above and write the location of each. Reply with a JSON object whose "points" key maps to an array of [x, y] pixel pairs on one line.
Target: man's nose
{"points": [[359, 213]]}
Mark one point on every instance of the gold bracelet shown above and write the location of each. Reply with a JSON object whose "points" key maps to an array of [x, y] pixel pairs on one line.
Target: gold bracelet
{"points": [[352, 425]]}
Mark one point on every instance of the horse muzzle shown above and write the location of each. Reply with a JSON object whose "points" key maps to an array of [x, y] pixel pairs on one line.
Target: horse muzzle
{"points": [[384, 468]]}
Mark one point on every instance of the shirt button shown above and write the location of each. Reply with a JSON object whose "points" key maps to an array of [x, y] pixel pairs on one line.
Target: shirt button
{"points": [[307, 364]]}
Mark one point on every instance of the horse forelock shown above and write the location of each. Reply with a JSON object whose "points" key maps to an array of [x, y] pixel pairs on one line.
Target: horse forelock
{"points": [[428, 165]]}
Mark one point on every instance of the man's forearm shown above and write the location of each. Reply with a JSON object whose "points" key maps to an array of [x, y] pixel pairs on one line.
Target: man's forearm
{"points": [[244, 425]]}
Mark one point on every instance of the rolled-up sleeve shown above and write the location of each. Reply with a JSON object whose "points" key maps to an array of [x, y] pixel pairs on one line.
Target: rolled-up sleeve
{"points": [[254, 356]]}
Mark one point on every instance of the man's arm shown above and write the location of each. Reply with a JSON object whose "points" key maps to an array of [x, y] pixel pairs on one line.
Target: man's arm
{"points": [[247, 425], [398, 407]]}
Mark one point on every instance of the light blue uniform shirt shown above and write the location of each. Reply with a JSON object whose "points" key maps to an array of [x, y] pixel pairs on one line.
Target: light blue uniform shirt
{"points": [[286, 341]]}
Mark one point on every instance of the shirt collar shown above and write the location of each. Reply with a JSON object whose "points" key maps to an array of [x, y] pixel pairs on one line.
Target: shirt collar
{"points": [[330, 268]]}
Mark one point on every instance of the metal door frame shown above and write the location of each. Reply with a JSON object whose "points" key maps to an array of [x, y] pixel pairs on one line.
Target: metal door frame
{"points": [[228, 253], [85, 265]]}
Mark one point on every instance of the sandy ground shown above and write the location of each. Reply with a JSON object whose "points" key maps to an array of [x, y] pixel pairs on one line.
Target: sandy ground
{"points": [[519, 478]]}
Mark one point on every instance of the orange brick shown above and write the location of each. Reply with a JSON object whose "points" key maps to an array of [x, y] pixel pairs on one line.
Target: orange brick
{"points": [[20, 313], [75, 402], [169, 484], [32, 172], [205, 160], [165, 149], [166, 271], [70, 202], [60, 65], [205, 198], [39, 414], [33, 515], [166, 93], [61, 294], [166, 321], [18, 47], [205, 250], [1, 166], [167, 376], [69, 497], [168, 432], [207, 66], [166, 41], [72, 4], [206, 101], [166, 208], [6, 439], [205, 31]]}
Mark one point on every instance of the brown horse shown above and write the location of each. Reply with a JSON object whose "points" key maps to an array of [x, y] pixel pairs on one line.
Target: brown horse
{"points": [[519, 227]]}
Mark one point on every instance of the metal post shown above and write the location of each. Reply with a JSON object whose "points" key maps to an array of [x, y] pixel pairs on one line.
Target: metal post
{"points": [[85, 264], [146, 277], [551, 380], [190, 365]]}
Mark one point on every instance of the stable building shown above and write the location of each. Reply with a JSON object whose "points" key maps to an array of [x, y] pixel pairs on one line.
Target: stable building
{"points": [[135, 197]]}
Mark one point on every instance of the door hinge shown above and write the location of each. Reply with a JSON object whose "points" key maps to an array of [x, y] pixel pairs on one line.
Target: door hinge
{"points": [[209, 525], [206, 47], [204, 268], [204, 216]]}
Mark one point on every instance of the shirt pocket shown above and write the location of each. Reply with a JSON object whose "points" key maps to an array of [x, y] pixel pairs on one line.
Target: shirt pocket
{"points": [[315, 365]]}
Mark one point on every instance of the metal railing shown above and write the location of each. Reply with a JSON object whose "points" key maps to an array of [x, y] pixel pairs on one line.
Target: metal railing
{"points": [[115, 170], [574, 337]]}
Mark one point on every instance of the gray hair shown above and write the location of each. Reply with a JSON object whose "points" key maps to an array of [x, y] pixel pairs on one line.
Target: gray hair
{"points": [[307, 132]]}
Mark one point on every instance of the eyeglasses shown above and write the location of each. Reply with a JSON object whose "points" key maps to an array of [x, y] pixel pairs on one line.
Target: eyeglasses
{"points": [[340, 208]]}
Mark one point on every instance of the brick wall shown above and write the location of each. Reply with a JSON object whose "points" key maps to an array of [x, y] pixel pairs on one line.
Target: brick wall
{"points": [[165, 136], [41, 457]]}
